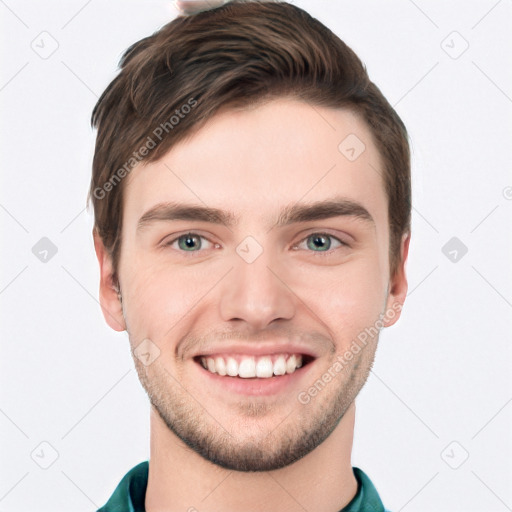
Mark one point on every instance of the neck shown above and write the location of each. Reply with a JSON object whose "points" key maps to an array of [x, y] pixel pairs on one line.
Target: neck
{"points": [[181, 480]]}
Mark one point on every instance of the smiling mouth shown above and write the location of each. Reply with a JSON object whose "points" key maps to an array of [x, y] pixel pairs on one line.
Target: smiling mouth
{"points": [[253, 367]]}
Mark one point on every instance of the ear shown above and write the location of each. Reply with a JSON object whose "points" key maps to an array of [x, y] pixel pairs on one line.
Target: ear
{"points": [[109, 300], [397, 286]]}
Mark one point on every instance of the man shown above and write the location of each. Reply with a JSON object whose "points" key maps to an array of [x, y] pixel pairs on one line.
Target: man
{"points": [[251, 191]]}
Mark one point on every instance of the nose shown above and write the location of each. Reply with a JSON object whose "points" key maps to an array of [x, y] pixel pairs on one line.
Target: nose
{"points": [[256, 293]]}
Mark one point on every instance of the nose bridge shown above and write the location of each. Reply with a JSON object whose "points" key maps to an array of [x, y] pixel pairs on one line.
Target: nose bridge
{"points": [[253, 292]]}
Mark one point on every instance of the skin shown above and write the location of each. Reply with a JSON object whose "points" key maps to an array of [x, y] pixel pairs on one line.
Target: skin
{"points": [[272, 452]]}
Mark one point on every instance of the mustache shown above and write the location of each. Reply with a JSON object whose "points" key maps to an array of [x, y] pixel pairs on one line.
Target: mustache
{"points": [[193, 343]]}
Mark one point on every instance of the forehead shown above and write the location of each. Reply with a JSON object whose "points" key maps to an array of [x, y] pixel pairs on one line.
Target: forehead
{"points": [[255, 161]]}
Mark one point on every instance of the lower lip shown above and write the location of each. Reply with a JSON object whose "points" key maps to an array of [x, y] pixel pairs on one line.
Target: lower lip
{"points": [[256, 386]]}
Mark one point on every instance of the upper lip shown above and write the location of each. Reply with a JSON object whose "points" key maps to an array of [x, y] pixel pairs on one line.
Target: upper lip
{"points": [[258, 349]]}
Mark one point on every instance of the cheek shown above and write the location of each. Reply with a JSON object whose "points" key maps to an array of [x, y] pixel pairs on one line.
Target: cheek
{"points": [[160, 296], [348, 299]]}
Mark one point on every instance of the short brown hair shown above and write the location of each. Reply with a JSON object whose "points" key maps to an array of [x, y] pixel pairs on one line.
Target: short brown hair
{"points": [[241, 53]]}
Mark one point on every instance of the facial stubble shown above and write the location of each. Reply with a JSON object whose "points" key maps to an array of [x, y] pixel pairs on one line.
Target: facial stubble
{"points": [[295, 430]]}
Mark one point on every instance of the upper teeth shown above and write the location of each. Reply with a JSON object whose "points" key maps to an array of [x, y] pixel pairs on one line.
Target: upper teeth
{"points": [[249, 366]]}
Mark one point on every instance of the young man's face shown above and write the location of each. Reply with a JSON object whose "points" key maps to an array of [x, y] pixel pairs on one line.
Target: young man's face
{"points": [[259, 285]]}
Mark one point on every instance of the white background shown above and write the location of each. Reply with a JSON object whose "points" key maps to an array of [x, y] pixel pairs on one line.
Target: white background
{"points": [[442, 376]]}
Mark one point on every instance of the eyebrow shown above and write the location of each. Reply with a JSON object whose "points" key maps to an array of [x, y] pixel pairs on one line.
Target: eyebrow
{"points": [[295, 213]]}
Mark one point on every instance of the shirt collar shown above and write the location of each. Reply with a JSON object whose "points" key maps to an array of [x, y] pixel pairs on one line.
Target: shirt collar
{"points": [[130, 494]]}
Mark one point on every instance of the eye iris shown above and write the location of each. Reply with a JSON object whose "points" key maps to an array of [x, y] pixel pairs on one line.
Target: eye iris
{"points": [[192, 242], [187, 242], [319, 240]]}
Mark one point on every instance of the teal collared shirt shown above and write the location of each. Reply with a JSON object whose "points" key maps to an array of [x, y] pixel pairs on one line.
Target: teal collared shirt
{"points": [[130, 494]]}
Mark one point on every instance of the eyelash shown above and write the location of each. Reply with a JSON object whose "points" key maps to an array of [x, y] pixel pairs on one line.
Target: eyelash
{"points": [[321, 253]]}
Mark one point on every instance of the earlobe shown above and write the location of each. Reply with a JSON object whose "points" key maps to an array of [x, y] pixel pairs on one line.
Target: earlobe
{"points": [[109, 298], [398, 286]]}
